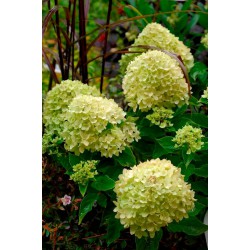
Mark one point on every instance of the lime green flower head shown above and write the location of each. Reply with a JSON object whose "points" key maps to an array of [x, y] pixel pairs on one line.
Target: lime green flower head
{"points": [[161, 117], [189, 136], [51, 142], [150, 196], [204, 40], [95, 124], [58, 100], [154, 79], [205, 94], [155, 34], [84, 171]]}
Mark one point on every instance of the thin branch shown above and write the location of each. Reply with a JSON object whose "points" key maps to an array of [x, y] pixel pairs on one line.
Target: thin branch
{"points": [[105, 43], [72, 37], [83, 43], [59, 42]]}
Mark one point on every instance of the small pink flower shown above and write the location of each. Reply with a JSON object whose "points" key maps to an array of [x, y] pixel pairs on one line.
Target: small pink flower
{"points": [[66, 200]]}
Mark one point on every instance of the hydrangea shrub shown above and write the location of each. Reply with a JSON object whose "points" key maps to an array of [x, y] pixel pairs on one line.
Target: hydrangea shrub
{"points": [[151, 151]]}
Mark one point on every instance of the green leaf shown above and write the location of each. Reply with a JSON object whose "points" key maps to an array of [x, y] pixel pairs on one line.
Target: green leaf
{"points": [[167, 144], [73, 159], [148, 130], [202, 171], [103, 183], [196, 119], [187, 157], [83, 189], [200, 186], [149, 243], [193, 101], [198, 208], [191, 226], [86, 205], [113, 230], [199, 71], [144, 148], [64, 162], [191, 24], [181, 110], [158, 151], [187, 171], [145, 8], [201, 199], [102, 200], [126, 158]]}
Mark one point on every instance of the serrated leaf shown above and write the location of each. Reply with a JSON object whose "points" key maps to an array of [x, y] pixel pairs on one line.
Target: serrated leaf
{"points": [[191, 226], [149, 243], [86, 205], [113, 230], [103, 183], [126, 158], [83, 189]]}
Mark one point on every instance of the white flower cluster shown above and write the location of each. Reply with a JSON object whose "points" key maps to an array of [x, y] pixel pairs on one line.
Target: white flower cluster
{"points": [[152, 195], [154, 79], [85, 121], [155, 34], [97, 124]]}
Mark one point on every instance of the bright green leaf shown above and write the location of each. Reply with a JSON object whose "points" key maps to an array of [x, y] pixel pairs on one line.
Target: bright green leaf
{"points": [[83, 189], [86, 205], [167, 144], [103, 183], [126, 158]]}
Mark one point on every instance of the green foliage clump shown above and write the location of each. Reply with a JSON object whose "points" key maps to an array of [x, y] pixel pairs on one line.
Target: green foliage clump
{"points": [[155, 34], [151, 195], [154, 79], [84, 171], [190, 136], [97, 124], [161, 117]]}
